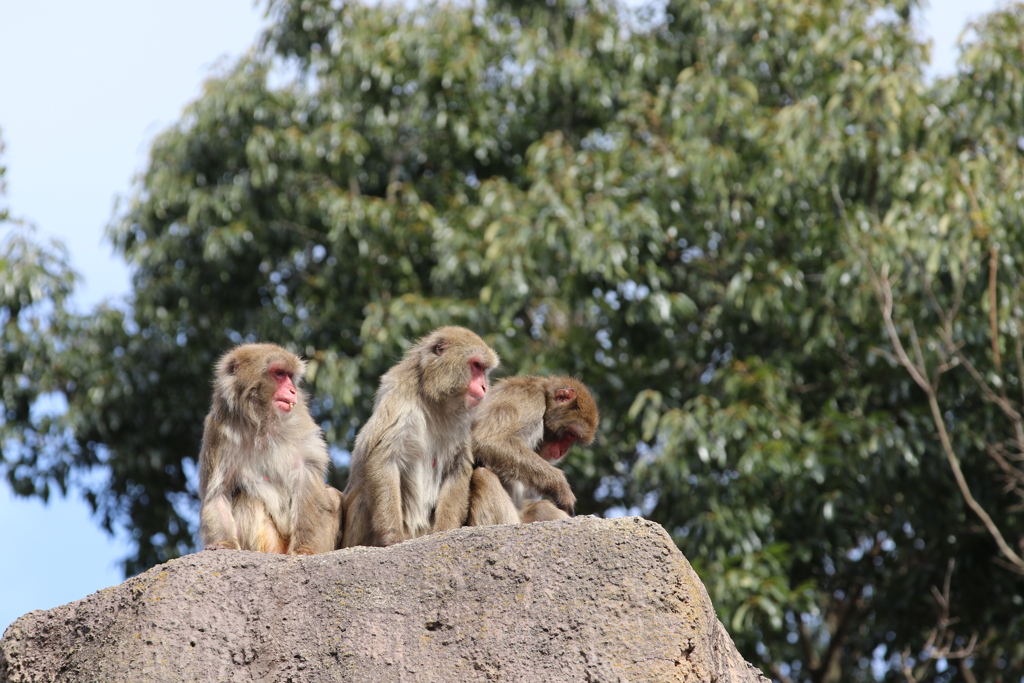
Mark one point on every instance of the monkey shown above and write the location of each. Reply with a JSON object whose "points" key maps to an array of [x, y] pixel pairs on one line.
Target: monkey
{"points": [[524, 426], [263, 459], [411, 463]]}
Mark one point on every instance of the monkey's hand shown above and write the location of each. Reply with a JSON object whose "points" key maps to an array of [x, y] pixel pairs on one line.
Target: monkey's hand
{"points": [[565, 499], [553, 484]]}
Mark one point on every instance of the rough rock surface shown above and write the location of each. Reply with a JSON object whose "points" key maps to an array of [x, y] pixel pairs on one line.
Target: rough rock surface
{"points": [[582, 599]]}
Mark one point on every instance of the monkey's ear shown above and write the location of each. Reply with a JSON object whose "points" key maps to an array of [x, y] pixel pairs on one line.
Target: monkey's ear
{"points": [[439, 348], [232, 367], [564, 395]]}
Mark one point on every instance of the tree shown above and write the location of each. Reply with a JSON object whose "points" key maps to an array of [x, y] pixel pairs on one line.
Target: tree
{"points": [[36, 281], [751, 227]]}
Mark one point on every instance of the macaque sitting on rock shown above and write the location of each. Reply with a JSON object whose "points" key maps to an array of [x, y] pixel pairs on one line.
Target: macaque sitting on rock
{"points": [[523, 427], [263, 459]]}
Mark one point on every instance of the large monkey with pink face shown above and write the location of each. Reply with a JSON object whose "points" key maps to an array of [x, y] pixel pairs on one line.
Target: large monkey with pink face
{"points": [[412, 464], [263, 459]]}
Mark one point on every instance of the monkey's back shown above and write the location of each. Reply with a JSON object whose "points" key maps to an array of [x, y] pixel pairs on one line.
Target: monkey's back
{"points": [[513, 408]]}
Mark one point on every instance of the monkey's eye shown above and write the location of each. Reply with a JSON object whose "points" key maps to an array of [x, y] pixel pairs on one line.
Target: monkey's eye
{"points": [[439, 349], [279, 373], [477, 365]]}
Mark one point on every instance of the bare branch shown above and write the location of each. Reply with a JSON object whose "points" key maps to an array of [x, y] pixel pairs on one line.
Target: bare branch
{"points": [[1003, 403], [810, 654], [961, 482], [993, 309], [844, 617], [883, 290], [915, 342], [885, 354], [1014, 475], [1018, 346], [941, 640], [934, 300], [1008, 565], [982, 231], [905, 668], [917, 373]]}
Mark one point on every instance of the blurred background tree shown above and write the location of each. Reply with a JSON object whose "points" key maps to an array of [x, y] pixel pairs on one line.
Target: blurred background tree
{"points": [[788, 267]]}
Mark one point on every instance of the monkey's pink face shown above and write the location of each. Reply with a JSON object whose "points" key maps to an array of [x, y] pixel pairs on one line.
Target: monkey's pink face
{"points": [[553, 451], [477, 388], [285, 395]]}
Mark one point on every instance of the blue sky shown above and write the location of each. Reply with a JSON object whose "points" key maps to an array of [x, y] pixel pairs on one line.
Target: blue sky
{"points": [[84, 88]]}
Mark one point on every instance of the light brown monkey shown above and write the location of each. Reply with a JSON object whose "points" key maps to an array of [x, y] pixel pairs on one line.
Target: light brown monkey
{"points": [[525, 425], [411, 464], [263, 459]]}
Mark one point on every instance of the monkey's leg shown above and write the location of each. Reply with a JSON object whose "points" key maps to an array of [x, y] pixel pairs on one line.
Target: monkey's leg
{"points": [[338, 522], [256, 529], [318, 526], [355, 520], [542, 511], [453, 498], [489, 503], [270, 539]]}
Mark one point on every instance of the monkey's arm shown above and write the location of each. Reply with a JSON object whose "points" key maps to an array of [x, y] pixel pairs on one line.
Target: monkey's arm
{"points": [[373, 495], [383, 485], [499, 444], [510, 459], [217, 528], [315, 512], [503, 441], [453, 498]]}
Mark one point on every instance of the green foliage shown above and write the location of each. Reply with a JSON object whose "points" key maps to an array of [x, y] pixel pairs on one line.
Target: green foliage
{"points": [[34, 288], [700, 212]]}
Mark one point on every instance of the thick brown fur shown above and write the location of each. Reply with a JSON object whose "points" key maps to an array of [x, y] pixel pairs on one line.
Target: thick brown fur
{"points": [[262, 466], [523, 425], [411, 464], [489, 502]]}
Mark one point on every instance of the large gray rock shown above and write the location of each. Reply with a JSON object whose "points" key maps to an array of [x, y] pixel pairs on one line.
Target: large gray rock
{"points": [[583, 599]]}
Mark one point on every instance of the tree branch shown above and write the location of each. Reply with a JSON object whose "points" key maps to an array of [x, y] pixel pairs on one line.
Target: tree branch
{"points": [[961, 482], [941, 639], [883, 290], [993, 321]]}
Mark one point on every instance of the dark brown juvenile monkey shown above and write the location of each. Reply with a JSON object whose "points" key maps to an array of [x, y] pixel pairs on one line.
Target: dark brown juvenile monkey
{"points": [[411, 464], [525, 425], [263, 459]]}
